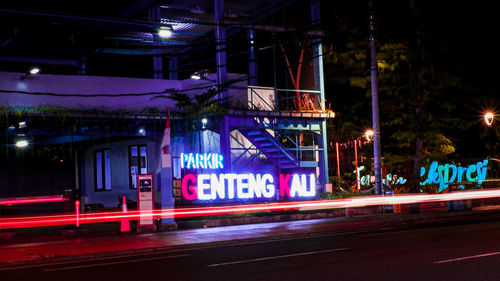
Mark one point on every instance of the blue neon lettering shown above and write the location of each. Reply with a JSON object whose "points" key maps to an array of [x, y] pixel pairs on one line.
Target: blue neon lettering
{"points": [[471, 169], [184, 159], [208, 161], [202, 161], [440, 174], [461, 171], [433, 174], [481, 171], [447, 177], [220, 162]]}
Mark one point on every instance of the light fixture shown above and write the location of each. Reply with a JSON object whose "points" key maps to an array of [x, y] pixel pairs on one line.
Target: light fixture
{"points": [[21, 143], [141, 131], [369, 134], [201, 75], [488, 118], [165, 32], [22, 125], [204, 122], [33, 71]]}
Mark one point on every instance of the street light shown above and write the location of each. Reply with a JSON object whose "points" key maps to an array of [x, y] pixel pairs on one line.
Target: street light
{"points": [[165, 32], [32, 72], [488, 118], [369, 134], [21, 143]]}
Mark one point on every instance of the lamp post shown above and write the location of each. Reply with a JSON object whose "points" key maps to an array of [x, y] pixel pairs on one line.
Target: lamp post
{"points": [[489, 117], [375, 114]]}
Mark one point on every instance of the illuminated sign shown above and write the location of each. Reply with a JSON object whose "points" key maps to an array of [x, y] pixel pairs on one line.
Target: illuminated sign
{"points": [[202, 161], [449, 173], [246, 186], [390, 179]]}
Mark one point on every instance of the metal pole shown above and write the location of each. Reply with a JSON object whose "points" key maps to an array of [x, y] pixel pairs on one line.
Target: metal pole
{"points": [[375, 114], [356, 162], [338, 159]]}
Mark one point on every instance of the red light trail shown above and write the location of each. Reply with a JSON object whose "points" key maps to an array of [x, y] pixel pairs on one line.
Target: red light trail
{"points": [[68, 219], [31, 200]]}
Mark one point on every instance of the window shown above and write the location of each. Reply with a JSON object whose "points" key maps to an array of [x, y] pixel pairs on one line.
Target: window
{"points": [[102, 171], [137, 162]]}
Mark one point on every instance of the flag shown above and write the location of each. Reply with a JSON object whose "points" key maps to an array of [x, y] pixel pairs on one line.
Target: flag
{"points": [[166, 157]]}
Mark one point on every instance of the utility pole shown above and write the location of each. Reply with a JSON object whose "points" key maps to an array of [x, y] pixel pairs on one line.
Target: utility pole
{"points": [[375, 116]]}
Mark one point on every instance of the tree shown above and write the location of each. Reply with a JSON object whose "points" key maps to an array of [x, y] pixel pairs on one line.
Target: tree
{"points": [[412, 93]]}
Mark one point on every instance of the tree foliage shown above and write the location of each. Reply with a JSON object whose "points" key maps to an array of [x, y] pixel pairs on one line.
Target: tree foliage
{"points": [[402, 74]]}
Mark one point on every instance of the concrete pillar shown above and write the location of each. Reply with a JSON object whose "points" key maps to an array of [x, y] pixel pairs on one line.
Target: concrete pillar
{"points": [[157, 58], [221, 79], [173, 73], [220, 47], [319, 84], [253, 72], [225, 142]]}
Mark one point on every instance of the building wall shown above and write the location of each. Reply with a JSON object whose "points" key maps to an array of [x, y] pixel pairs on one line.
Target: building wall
{"points": [[112, 90], [119, 172]]}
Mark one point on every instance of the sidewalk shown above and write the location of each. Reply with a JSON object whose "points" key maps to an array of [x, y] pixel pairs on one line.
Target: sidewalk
{"points": [[36, 250]]}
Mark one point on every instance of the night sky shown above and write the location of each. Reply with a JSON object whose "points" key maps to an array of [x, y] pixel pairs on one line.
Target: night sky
{"points": [[459, 35], [459, 40]]}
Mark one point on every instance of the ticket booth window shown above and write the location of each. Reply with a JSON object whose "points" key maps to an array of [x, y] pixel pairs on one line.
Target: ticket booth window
{"points": [[138, 160], [102, 172]]}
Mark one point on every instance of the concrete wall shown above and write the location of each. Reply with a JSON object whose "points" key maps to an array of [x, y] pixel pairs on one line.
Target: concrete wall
{"points": [[67, 86], [119, 171]]}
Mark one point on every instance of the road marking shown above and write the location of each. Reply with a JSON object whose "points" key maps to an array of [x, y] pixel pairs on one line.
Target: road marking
{"points": [[276, 257], [468, 258], [111, 263]]}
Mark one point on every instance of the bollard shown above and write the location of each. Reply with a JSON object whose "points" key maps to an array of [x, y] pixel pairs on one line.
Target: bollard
{"points": [[125, 223]]}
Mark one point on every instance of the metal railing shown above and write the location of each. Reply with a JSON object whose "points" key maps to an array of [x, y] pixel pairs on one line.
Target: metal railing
{"points": [[270, 99], [299, 100]]}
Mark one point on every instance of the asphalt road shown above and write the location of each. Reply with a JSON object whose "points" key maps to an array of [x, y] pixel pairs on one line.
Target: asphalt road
{"points": [[456, 252]]}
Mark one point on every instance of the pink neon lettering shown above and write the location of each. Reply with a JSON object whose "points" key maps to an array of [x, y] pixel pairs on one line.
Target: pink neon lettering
{"points": [[189, 192], [284, 187]]}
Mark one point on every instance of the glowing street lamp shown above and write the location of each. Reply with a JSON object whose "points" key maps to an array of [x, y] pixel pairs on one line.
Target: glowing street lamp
{"points": [[369, 134], [488, 118], [165, 33], [22, 143]]}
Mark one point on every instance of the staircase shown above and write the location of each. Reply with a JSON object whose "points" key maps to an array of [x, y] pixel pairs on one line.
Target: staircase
{"points": [[271, 147]]}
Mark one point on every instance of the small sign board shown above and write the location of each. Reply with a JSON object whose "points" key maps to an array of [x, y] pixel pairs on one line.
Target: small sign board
{"points": [[145, 199]]}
